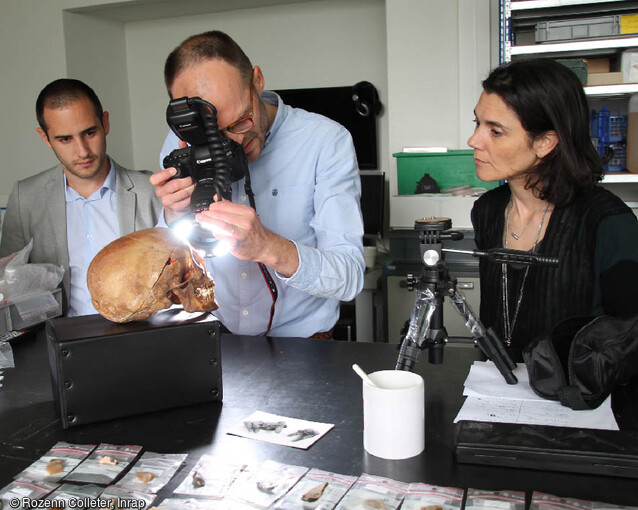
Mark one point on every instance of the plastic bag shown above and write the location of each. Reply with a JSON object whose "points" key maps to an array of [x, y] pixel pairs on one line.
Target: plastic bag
{"points": [[24, 491], [152, 472], [421, 495], [187, 504], [494, 500], [58, 462], [266, 484], [74, 496], [371, 491], [19, 278], [542, 501], [104, 465], [210, 478], [117, 497], [317, 490]]}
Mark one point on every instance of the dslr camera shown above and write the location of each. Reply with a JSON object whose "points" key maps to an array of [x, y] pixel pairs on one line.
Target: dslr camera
{"points": [[212, 160]]}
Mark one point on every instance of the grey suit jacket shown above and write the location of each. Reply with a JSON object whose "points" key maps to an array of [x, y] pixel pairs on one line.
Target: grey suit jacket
{"points": [[37, 209]]}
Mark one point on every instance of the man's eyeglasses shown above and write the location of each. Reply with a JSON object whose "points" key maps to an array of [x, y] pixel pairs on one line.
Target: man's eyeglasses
{"points": [[245, 123]]}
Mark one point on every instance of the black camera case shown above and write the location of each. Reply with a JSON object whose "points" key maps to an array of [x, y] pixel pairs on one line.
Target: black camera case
{"points": [[102, 370], [583, 359]]}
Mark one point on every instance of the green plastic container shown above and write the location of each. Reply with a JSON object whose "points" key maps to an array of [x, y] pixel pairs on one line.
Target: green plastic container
{"points": [[448, 169]]}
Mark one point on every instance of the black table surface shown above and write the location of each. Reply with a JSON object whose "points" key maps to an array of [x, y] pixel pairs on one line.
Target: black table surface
{"points": [[298, 378]]}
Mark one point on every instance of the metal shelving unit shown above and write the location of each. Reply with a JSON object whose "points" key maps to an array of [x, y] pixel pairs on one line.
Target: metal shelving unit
{"points": [[520, 17], [517, 15], [545, 4], [622, 89], [589, 47], [620, 178]]}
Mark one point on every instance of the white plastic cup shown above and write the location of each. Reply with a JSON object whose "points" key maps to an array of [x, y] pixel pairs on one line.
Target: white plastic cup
{"points": [[394, 415], [370, 256]]}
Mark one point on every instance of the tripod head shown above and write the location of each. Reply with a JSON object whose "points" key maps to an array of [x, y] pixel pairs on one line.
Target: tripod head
{"points": [[432, 232], [426, 329]]}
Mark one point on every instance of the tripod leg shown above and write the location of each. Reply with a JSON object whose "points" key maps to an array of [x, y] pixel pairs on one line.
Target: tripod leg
{"points": [[415, 338], [486, 340]]}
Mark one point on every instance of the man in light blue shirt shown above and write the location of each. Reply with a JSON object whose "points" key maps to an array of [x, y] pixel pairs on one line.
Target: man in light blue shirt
{"points": [[73, 210], [306, 225]]}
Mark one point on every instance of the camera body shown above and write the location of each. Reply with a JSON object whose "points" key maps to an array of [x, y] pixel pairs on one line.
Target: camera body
{"points": [[213, 161]]}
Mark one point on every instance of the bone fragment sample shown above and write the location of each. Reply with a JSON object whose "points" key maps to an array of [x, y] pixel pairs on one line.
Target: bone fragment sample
{"points": [[374, 504], [198, 480], [315, 493], [107, 459], [55, 466], [145, 476]]}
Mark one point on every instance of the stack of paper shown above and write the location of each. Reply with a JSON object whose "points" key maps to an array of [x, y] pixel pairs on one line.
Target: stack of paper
{"points": [[490, 398]]}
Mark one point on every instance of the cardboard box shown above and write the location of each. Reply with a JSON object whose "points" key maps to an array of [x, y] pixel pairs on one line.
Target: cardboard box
{"points": [[604, 79], [632, 144], [632, 135], [597, 65], [629, 66]]}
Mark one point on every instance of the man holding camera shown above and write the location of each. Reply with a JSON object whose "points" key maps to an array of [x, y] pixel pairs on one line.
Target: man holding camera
{"points": [[306, 225], [73, 210]]}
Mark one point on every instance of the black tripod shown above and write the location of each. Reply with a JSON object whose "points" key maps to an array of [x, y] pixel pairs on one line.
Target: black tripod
{"points": [[426, 329]]}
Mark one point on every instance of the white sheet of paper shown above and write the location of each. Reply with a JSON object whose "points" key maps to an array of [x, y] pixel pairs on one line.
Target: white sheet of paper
{"points": [[485, 379], [287, 435], [534, 412], [490, 398]]}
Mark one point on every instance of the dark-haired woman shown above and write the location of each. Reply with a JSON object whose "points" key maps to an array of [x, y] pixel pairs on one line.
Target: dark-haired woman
{"points": [[532, 130]]}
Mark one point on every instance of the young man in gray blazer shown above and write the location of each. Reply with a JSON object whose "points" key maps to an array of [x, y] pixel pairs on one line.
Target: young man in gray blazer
{"points": [[73, 210]]}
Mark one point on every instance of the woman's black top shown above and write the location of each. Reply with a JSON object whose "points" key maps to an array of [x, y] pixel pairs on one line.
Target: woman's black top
{"points": [[595, 238]]}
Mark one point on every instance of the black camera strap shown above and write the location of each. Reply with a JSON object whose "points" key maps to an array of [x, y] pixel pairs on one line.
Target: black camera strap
{"points": [[270, 283]]}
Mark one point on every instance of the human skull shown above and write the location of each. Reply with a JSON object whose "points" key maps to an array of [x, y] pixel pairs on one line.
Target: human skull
{"points": [[146, 271]]}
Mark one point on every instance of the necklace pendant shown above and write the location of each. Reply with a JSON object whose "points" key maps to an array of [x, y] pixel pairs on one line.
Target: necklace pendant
{"points": [[515, 236]]}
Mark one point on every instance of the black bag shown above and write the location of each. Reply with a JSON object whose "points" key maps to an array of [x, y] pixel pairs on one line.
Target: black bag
{"points": [[583, 359]]}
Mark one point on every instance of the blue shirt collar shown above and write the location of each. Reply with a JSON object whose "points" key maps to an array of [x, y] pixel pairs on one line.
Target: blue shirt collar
{"points": [[272, 98], [108, 185]]}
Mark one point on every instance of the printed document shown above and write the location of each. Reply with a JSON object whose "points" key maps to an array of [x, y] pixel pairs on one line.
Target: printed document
{"points": [[490, 398]]}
